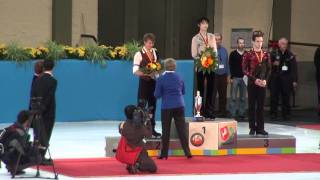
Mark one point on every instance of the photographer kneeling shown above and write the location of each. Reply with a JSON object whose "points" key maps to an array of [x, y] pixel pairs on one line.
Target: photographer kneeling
{"points": [[14, 140], [131, 149]]}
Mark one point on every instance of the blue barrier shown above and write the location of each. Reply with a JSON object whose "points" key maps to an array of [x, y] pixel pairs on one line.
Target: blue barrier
{"points": [[85, 91]]}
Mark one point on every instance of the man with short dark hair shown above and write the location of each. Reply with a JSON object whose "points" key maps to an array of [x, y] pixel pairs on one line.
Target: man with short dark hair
{"points": [[221, 77], [45, 88], [256, 66], [202, 40], [237, 82]]}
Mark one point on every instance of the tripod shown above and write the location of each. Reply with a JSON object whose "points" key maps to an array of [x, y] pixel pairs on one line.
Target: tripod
{"points": [[35, 119]]}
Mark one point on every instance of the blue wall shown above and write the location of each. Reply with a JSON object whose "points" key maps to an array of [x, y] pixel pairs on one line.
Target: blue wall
{"points": [[85, 91]]}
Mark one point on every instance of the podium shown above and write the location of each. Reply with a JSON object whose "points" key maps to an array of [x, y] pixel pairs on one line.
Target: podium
{"points": [[218, 137]]}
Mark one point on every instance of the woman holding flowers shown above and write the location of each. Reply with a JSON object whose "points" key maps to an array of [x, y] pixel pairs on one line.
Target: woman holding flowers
{"points": [[146, 66], [203, 50]]}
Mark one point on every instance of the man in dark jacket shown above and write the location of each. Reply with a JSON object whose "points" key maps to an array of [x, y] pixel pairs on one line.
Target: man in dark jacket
{"points": [[317, 65], [134, 130], [45, 88], [283, 79]]}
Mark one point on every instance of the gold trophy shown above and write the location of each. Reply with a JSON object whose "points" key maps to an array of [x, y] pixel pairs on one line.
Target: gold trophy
{"points": [[197, 107]]}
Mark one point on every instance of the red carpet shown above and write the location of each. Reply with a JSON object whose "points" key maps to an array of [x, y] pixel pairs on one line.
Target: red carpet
{"points": [[96, 167], [311, 126]]}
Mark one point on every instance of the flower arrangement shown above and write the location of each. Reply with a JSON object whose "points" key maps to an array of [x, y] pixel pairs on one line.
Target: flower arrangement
{"points": [[152, 67], [208, 61], [54, 51], [78, 52]]}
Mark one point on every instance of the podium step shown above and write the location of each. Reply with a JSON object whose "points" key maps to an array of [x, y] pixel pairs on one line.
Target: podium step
{"points": [[271, 141]]}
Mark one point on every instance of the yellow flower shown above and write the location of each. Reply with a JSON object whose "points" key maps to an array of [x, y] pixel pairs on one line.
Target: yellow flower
{"points": [[38, 52], [2, 46], [158, 66], [32, 51], [153, 66], [113, 54], [44, 49], [121, 50], [103, 46], [81, 52]]}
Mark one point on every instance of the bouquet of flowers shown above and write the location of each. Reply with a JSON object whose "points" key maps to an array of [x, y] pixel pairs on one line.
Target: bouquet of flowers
{"points": [[152, 67], [208, 61]]}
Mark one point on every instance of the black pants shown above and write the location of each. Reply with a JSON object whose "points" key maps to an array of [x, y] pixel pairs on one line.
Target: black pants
{"points": [[220, 87], [146, 97], [280, 86], [43, 129], [318, 86], [256, 97], [146, 164], [207, 109], [30, 158], [166, 117]]}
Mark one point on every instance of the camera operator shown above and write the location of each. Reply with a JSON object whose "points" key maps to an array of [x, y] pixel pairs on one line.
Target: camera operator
{"points": [[15, 141], [131, 149], [45, 88]]}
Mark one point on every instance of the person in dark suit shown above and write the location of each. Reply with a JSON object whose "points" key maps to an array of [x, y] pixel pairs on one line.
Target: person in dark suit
{"points": [[317, 65], [45, 87], [38, 70], [170, 88]]}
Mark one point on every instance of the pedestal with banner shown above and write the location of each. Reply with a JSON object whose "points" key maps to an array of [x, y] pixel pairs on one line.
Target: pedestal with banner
{"points": [[212, 135], [203, 135]]}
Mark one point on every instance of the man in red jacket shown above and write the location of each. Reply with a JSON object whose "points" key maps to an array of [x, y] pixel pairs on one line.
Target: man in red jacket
{"points": [[131, 149], [256, 66]]}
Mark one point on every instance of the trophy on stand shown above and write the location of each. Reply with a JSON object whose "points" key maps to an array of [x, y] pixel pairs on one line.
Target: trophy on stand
{"points": [[197, 107]]}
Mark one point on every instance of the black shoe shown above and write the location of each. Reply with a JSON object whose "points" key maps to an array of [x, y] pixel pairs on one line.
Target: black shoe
{"points": [[262, 132], [132, 169], [189, 157], [286, 117], [211, 116], [156, 134], [163, 157], [20, 172], [46, 162], [242, 118], [252, 132], [273, 117]]}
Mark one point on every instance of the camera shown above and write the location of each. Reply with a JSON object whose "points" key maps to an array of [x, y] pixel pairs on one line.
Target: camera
{"points": [[142, 115]]}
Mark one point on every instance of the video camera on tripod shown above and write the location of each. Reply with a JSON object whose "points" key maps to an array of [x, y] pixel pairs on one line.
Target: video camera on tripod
{"points": [[142, 114]]}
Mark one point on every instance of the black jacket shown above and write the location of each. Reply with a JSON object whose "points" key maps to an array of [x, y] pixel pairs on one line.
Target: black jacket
{"points": [[288, 59], [317, 60], [135, 134], [45, 86]]}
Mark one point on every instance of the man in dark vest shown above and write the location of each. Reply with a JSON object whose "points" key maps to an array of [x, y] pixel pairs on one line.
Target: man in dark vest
{"points": [[147, 82]]}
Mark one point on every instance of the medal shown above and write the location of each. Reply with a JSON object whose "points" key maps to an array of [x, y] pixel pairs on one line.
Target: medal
{"points": [[259, 57], [205, 40]]}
